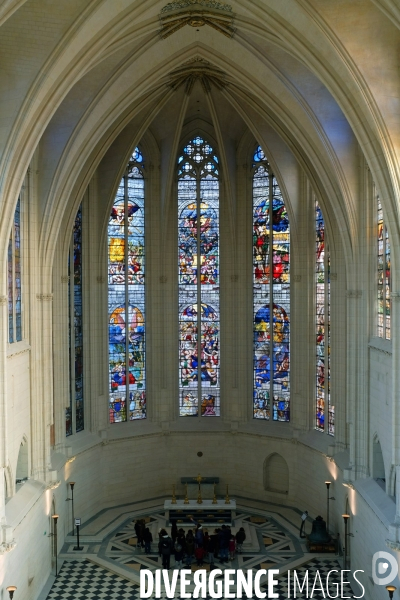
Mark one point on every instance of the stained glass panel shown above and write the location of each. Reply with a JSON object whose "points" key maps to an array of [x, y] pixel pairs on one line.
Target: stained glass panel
{"points": [[324, 406], [198, 236], [383, 276], [320, 280], [127, 355], [14, 278], [10, 276], [17, 272], [78, 332], [381, 270], [74, 414], [271, 295]]}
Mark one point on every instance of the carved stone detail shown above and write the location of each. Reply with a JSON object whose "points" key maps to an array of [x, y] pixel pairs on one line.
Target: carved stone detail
{"points": [[354, 293], [100, 279], [196, 13], [234, 278], [333, 276], [3, 300], [197, 69], [179, 4], [64, 278], [395, 296], [45, 297], [163, 279], [297, 278]]}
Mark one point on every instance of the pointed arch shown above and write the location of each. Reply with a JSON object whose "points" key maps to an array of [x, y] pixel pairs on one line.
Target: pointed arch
{"points": [[126, 296], [271, 296], [198, 275]]}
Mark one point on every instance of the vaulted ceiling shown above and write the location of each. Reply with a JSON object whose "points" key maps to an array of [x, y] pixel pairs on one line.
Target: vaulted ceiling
{"points": [[81, 80]]}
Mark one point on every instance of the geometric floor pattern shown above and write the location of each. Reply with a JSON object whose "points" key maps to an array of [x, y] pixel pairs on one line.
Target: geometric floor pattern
{"points": [[271, 542], [79, 580], [83, 580], [267, 544]]}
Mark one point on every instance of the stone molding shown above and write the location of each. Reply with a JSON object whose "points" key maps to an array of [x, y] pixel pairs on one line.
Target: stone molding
{"points": [[3, 300], [45, 297], [395, 296], [64, 278], [354, 293], [179, 4], [196, 13]]}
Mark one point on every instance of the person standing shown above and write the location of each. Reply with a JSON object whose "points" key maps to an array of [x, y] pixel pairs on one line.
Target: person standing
{"points": [[165, 548], [240, 537], [178, 549], [147, 538], [189, 548]]}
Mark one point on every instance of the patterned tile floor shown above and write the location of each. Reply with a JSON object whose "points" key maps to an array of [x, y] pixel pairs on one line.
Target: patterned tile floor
{"points": [[80, 580], [108, 567]]}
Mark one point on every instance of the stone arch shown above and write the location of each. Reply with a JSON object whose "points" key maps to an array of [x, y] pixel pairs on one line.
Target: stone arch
{"points": [[276, 474], [378, 465], [22, 470]]}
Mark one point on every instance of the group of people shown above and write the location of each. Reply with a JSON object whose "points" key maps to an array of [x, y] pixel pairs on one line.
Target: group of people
{"points": [[199, 545]]}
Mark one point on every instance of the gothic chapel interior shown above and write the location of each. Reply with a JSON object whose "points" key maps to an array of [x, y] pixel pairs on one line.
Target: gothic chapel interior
{"points": [[200, 229]]}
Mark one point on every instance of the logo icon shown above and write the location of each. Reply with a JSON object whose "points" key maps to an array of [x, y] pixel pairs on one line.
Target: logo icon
{"points": [[384, 568]]}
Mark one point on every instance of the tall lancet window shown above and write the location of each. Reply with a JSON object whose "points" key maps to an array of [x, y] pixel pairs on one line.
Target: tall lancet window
{"points": [[383, 322], [14, 278], [75, 413], [198, 272], [271, 281], [324, 405], [126, 297]]}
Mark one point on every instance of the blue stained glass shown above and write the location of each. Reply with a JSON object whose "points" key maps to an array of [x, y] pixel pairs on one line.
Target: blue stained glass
{"points": [[78, 326], [14, 278], [126, 278], [271, 240], [324, 406], [10, 291], [75, 331], [198, 276]]}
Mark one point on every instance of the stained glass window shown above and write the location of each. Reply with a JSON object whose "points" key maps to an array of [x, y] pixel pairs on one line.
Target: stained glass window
{"points": [[271, 256], [383, 324], [75, 410], [198, 272], [14, 278], [322, 327], [126, 297]]}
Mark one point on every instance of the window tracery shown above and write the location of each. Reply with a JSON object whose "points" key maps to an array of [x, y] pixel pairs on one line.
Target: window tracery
{"points": [[126, 297]]}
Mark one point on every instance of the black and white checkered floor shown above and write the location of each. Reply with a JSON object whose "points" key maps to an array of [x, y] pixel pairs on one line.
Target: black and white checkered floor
{"points": [[84, 580]]}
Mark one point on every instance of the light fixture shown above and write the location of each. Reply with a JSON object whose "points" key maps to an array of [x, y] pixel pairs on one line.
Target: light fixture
{"points": [[72, 484], [391, 589], [55, 519], [346, 518], [11, 589], [328, 483]]}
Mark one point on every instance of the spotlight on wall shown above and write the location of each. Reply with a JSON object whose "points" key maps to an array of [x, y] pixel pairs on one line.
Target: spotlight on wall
{"points": [[391, 589], [11, 589]]}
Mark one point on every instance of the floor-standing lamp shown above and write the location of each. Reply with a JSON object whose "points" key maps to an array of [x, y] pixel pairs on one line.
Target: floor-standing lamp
{"points": [[11, 589], [328, 483], [346, 535], [55, 519], [391, 589], [72, 483]]}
